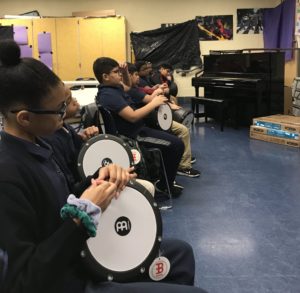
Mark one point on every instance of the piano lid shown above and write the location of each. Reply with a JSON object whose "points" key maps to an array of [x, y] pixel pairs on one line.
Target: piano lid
{"points": [[227, 82], [237, 64]]}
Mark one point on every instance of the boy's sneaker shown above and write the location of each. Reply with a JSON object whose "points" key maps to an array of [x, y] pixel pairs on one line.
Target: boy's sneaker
{"points": [[175, 190], [189, 172], [193, 160], [175, 183]]}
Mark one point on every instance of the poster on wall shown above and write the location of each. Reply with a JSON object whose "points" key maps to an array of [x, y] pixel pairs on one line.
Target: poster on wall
{"points": [[249, 21], [215, 27]]}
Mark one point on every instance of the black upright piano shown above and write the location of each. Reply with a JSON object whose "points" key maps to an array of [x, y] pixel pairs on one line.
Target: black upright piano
{"points": [[251, 83]]}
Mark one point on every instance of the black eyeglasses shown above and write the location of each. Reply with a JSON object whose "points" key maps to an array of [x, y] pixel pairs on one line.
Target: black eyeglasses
{"points": [[60, 112]]}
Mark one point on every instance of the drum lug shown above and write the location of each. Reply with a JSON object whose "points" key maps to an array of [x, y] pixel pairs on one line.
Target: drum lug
{"points": [[82, 254], [155, 204], [159, 239], [142, 270], [110, 278]]}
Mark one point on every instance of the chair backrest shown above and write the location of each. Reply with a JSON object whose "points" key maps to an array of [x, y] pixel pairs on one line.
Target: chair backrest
{"points": [[89, 115], [3, 266], [108, 121]]}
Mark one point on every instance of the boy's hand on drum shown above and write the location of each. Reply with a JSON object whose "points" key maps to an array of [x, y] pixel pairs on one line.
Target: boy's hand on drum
{"points": [[89, 132], [158, 91], [163, 86], [174, 106], [100, 193], [159, 100], [166, 91], [131, 173], [115, 174]]}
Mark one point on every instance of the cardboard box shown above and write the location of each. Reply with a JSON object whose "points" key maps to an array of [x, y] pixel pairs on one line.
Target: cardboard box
{"points": [[274, 139], [275, 132], [279, 122]]}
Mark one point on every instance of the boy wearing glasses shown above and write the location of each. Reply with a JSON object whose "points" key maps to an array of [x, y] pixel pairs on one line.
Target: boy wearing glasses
{"points": [[129, 119]]}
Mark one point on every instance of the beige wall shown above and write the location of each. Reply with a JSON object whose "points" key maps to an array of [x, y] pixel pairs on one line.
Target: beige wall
{"points": [[146, 15]]}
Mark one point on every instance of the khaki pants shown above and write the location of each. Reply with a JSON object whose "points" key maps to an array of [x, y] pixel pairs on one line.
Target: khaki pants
{"points": [[183, 133], [147, 184]]}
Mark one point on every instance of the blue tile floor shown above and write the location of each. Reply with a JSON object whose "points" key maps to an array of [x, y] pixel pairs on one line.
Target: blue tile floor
{"points": [[242, 216]]}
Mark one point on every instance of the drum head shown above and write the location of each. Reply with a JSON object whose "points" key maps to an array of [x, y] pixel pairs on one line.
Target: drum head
{"points": [[128, 237], [164, 117], [103, 150]]}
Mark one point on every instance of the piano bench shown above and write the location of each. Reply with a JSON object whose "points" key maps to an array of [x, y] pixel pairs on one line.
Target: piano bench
{"points": [[218, 103]]}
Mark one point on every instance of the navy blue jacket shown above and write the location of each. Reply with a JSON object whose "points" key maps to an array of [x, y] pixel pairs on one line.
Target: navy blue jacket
{"points": [[43, 251]]}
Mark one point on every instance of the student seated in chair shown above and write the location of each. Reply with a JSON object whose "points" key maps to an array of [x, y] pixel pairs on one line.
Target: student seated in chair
{"points": [[67, 143], [145, 84], [164, 76], [43, 227], [129, 120], [181, 131]]}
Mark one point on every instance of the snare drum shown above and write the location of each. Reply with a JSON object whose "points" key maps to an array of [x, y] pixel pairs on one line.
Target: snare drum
{"points": [[128, 237], [184, 116], [160, 118], [101, 151]]}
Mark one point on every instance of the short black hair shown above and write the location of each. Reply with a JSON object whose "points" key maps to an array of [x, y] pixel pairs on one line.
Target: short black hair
{"points": [[103, 65], [131, 68], [166, 66], [24, 81], [139, 64]]}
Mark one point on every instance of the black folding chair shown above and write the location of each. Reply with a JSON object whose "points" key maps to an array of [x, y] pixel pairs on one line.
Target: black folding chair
{"points": [[3, 266], [109, 127]]}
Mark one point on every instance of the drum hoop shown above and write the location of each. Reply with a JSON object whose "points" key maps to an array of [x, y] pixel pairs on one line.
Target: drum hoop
{"points": [[95, 139], [101, 273], [171, 121]]}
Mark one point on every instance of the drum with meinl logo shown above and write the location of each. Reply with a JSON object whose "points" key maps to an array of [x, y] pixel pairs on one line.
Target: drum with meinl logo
{"points": [[160, 118], [103, 150], [128, 237], [184, 116]]}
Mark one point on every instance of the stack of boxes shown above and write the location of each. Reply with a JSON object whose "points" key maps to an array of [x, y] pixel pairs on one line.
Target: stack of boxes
{"points": [[282, 129]]}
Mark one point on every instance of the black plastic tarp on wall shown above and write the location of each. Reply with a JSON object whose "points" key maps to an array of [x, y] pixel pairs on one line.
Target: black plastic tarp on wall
{"points": [[177, 45]]}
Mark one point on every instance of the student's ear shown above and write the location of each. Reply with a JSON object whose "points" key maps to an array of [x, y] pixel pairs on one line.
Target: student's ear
{"points": [[23, 118], [105, 76]]}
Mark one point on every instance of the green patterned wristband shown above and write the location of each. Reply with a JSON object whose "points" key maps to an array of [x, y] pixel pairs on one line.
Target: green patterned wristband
{"points": [[71, 211]]}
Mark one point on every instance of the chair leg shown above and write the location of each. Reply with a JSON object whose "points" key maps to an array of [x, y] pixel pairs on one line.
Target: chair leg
{"points": [[193, 104], [222, 116], [170, 204], [205, 113], [193, 108]]}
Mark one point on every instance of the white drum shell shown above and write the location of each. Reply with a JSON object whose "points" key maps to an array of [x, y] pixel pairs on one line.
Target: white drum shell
{"points": [[122, 253], [111, 256], [164, 117], [160, 118], [101, 150]]}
